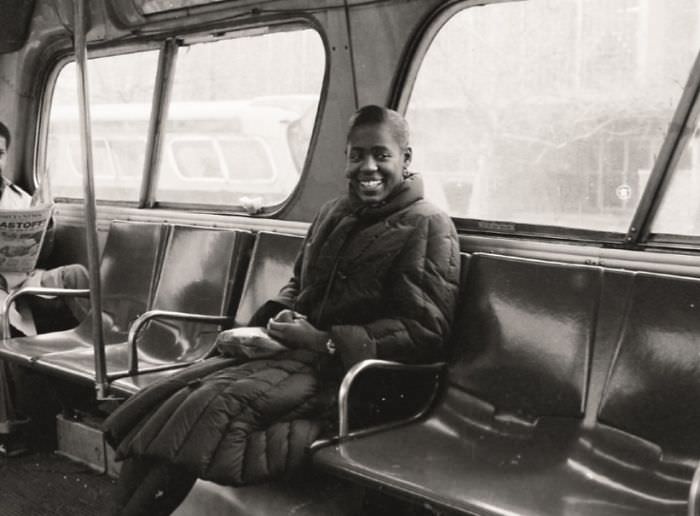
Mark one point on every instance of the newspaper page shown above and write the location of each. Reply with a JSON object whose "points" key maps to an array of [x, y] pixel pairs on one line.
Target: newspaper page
{"points": [[22, 234]]}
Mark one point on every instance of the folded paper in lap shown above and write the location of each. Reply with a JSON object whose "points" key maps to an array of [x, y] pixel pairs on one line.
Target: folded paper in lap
{"points": [[248, 343]]}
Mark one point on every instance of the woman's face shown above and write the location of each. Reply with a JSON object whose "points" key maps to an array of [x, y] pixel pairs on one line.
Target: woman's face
{"points": [[375, 162]]}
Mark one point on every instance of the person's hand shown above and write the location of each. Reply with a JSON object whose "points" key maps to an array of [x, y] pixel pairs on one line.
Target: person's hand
{"points": [[297, 332], [287, 315]]}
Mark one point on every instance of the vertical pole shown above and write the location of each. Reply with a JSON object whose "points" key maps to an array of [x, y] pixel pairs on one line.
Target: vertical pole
{"points": [[80, 44]]}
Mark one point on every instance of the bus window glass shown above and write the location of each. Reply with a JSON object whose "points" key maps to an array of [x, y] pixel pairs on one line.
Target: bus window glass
{"points": [[679, 211], [251, 102], [197, 159], [121, 91], [555, 127], [247, 159], [128, 156]]}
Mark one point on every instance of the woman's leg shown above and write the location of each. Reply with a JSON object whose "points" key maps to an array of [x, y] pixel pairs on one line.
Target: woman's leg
{"points": [[151, 488]]}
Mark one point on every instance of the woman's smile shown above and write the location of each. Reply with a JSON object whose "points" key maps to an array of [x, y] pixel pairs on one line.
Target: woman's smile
{"points": [[370, 185]]}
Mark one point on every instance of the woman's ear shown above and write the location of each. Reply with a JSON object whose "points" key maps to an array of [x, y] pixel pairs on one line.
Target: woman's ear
{"points": [[407, 155]]}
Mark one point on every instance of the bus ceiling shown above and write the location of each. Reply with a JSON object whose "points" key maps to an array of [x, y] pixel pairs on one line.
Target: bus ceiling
{"points": [[14, 23]]}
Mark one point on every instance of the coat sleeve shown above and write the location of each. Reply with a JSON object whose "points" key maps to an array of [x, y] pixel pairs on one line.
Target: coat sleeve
{"points": [[422, 294]]}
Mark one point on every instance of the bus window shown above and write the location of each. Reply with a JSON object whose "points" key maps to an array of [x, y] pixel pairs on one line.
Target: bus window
{"points": [[679, 211], [556, 127], [249, 114], [196, 159], [121, 89], [247, 159], [128, 155]]}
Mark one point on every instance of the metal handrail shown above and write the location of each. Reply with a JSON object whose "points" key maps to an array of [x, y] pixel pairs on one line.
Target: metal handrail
{"points": [[139, 323], [37, 291], [354, 372], [694, 495]]}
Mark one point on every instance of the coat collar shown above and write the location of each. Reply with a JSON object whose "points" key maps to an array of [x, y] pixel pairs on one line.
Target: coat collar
{"points": [[407, 192]]}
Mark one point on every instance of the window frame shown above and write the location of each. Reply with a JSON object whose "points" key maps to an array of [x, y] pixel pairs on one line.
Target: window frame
{"points": [[167, 44], [638, 235]]}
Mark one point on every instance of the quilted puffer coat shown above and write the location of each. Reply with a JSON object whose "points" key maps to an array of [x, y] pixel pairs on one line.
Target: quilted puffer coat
{"points": [[382, 280]]}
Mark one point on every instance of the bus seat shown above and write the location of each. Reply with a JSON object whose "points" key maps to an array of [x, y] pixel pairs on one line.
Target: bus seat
{"points": [[513, 400], [645, 437], [653, 390], [530, 324], [271, 265], [202, 271], [128, 273]]}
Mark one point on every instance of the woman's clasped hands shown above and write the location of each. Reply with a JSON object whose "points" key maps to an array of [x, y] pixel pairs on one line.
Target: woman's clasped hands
{"points": [[295, 331]]}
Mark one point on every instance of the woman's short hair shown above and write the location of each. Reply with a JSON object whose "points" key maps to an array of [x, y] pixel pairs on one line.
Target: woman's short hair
{"points": [[374, 115], [5, 133]]}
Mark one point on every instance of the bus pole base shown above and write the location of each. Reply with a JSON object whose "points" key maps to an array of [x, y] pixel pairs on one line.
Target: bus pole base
{"points": [[13, 438]]}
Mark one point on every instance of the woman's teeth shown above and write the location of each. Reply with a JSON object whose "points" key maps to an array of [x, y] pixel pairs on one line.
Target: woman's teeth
{"points": [[371, 184]]}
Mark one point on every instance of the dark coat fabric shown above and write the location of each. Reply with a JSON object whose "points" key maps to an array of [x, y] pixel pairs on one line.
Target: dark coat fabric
{"points": [[382, 280], [232, 423]]}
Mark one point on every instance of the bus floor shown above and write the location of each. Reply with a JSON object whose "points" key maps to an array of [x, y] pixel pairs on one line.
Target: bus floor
{"points": [[43, 483]]}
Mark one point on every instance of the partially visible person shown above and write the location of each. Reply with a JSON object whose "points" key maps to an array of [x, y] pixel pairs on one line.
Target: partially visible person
{"points": [[12, 197], [377, 277]]}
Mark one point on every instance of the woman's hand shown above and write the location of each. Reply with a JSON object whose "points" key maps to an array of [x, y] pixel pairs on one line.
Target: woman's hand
{"points": [[295, 331], [287, 315]]}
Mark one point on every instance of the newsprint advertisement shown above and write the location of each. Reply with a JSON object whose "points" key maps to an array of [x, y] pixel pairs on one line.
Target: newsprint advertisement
{"points": [[21, 236]]}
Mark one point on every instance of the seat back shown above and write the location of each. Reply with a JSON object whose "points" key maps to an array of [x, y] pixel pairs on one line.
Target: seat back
{"points": [[202, 272], [271, 266], [653, 386], [524, 334], [129, 271]]}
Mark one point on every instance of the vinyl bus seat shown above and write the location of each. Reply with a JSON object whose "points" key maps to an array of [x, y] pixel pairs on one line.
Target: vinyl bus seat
{"points": [[643, 449], [200, 278], [128, 274], [271, 265]]}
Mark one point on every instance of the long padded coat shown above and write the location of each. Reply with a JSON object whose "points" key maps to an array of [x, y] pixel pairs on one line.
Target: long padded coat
{"points": [[382, 280]]}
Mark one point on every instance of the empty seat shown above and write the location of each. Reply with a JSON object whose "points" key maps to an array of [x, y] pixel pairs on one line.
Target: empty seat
{"points": [[201, 270], [642, 452], [128, 274], [270, 267]]}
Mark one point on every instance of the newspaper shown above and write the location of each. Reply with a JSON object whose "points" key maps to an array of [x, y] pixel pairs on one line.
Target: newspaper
{"points": [[22, 234]]}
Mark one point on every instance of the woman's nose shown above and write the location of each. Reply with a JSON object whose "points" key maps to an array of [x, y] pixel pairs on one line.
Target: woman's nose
{"points": [[369, 163]]}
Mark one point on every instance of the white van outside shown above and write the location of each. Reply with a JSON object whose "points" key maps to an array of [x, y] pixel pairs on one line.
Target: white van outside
{"points": [[232, 153]]}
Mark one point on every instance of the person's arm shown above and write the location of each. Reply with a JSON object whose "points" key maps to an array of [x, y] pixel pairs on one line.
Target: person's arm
{"points": [[422, 294]]}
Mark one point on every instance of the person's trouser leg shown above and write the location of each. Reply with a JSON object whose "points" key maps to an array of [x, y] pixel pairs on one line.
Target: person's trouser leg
{"points": [[69, 276]]}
